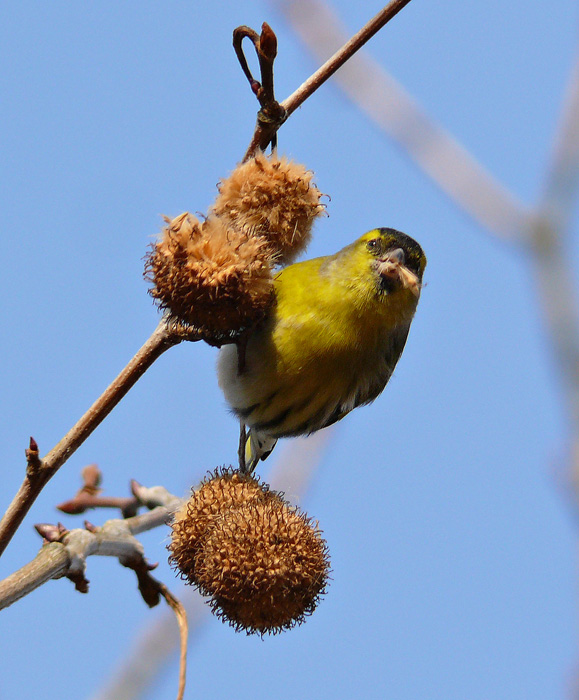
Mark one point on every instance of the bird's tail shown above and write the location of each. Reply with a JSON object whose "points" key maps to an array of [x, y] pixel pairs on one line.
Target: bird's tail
{"points": [[257, 446]]}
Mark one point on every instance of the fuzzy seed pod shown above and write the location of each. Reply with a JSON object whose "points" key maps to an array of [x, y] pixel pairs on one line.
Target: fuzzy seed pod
{"points": [[221, 490], [209, 277], [265, 566], [274, 198]]}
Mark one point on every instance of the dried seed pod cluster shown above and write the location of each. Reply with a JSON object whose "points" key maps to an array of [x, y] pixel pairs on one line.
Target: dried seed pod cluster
{"points": [[263, 563], [273, 198], [215, 276], [210, 277]]}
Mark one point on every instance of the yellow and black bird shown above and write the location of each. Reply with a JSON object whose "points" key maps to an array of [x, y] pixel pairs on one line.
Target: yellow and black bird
{"points": [[331, 342]]}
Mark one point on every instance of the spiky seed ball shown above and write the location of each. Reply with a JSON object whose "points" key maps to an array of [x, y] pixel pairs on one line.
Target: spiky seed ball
{"points": [[218, 492], [273, 197], [265, 565], [210, 277]]}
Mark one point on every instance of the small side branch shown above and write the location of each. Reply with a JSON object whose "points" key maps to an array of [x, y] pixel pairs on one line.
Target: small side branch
{"points": [[65, 552], [88, 496]]}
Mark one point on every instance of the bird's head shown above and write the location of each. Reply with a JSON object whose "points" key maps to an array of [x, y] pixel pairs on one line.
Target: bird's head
{"points": [[383, 269], [396, 261]]}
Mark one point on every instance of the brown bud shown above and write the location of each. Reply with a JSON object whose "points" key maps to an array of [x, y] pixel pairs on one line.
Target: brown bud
{"points": [[273, 197], [209, 277], [268, 42], [221, 490], [265, 566]]}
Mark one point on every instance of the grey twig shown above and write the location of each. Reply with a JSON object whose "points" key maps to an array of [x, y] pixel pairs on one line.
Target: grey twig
{"points": [[66, 554]]}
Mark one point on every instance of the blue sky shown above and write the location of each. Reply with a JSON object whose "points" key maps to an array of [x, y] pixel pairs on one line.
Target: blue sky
{"points": [[451, 534]]}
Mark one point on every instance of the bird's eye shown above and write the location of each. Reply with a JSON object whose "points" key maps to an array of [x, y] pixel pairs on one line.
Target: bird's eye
{"points": [[374, 246]]}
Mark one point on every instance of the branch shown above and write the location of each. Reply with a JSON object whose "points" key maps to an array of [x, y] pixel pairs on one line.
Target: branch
{"points": [[66, 552], [326, 71], [39, 472], [562, 179], [88, 496], [385, 101], [51, 562], [266, 128], [549, 243]]}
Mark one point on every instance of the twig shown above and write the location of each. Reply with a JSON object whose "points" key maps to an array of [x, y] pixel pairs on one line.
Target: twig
{"points": [[326, 71], [151, 651], [82, 502], [66, 553], [39, 472], [181, 616], [88, 496], [271, 115], [266, 129]]}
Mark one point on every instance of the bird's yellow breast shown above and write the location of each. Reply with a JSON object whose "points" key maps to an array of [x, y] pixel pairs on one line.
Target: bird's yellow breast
{"points": [[331, 343]]}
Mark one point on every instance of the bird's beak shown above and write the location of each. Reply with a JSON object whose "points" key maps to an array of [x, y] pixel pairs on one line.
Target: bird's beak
{"points": [[392, 267]]}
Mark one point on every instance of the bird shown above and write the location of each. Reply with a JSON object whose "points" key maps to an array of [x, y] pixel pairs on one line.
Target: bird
{"points": [[337, 329]]}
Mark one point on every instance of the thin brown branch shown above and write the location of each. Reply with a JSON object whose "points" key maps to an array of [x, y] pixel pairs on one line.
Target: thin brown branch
{"points": [[82, 502], [37, 477], [88, 496], [386, 102], [344, 54], [266, 128]]}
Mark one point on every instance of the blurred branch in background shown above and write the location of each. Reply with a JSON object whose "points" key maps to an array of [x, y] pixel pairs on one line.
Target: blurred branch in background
{"points": [[560, 187], [542, 230], [549, 239], [387, 104], [157, 644]]}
